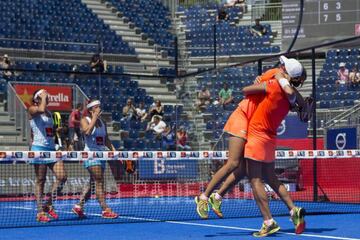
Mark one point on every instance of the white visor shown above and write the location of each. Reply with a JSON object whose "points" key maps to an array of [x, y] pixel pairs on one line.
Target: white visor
{"points": [[92, 104], [38, 94]]}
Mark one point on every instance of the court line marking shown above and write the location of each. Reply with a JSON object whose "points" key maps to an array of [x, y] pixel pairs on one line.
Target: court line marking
{"points": [[204, 225], [94, 214], [253, 230]]}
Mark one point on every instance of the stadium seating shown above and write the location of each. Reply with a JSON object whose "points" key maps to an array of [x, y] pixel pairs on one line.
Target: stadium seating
{"points": [[151, 16], [230, 39], [329, 94], [114, 92], [37, 24]]}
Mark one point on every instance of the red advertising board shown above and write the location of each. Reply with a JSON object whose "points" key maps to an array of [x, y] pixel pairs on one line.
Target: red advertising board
{"points": [[60, 98]]}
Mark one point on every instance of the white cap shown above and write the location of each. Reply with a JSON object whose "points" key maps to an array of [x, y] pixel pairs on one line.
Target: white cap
{"points": [[342, 64], [6, 56], [293, 67]]}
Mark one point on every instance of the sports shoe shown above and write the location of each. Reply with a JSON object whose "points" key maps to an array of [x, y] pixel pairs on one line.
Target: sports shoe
{"points": [[267, 230], [42, 217], [202, 207], [108, 213], [298, 219], [51, 211], [79, 211], [215, 205]]}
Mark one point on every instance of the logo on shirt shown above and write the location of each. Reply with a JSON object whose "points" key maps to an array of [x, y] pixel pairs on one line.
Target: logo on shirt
{"points": [[49, 132], [99, 140]]}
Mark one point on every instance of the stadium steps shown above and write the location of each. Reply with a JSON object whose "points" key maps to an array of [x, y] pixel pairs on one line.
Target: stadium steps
{"points": [[10, 137], [151, 58]]}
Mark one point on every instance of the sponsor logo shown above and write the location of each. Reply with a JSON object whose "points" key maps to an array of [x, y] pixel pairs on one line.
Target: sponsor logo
{"points": [[71, 155], [159, 154], [84, 154], [194, 154], [111, 154], [357, 152], [58, 155], [282, 128], [45, 155], [291, 153], [206, 154], [280, 154], [98, 154], [2, 154], [340, 141], [217, 154], [321, 153], [311, 153], [340, 153], [17, 155], [171, 154], [330, 153], [135, 154], [301, 153], [31, 154], [124, 155], [183, 154], [349, 153], [148, 154], [227, 154]]}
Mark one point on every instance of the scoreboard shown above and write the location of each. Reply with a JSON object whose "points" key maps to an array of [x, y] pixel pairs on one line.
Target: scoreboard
{"points": [[323, 21]]}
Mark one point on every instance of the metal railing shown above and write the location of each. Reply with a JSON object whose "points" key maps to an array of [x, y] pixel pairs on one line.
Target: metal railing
{"points": [[267, 12], [18, 111]]}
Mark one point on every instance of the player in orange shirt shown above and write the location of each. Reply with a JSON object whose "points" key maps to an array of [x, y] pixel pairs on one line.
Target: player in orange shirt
{"points": [[237, 127], [260, 151]]}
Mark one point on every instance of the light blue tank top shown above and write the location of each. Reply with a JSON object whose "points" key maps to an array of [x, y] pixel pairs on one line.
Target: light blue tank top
{"points": [[42, 130], [96, 140]]}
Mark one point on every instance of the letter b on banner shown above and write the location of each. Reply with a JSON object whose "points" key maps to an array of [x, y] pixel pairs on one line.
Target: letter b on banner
{"points": [[159, 166]]}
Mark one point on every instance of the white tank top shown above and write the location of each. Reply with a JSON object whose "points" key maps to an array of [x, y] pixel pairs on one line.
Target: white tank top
{"points": [[42, 130], [96, 140]]}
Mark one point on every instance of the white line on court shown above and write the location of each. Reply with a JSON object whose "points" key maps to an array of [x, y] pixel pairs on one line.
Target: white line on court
{"points": [[94, 214], [253, 230]]}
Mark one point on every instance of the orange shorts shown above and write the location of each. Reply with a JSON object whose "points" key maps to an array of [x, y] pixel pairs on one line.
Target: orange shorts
{"points": [[260, 148], [237, 124]]}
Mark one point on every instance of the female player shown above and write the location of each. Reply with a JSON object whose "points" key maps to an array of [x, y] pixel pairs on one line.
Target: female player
{"points": [[42, 128], [236, 126], [96, 139]]}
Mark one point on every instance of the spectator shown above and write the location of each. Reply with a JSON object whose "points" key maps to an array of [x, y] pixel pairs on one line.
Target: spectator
{"points": [[204, 98], [258, 29], [182, 137], [343, 74], [129, 111], [222, 15], [141, 113], [97, 64], [156, 125], [74, 127], [6, 64], [168, 139], [225, 95], [354, 76], [156, 109]]}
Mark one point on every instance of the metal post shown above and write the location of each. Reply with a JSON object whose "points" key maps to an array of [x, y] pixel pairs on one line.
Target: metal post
{"points": [[176, 57], [215, 45], [314, 123], [259, 67]]}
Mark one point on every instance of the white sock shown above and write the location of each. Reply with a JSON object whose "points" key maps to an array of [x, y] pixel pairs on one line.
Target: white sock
{"points": [[218, 196], [292, 211], [203, 197], [269, 222]]}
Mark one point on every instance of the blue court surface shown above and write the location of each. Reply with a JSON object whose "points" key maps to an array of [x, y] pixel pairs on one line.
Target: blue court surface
{"points": [[150, 214]]}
